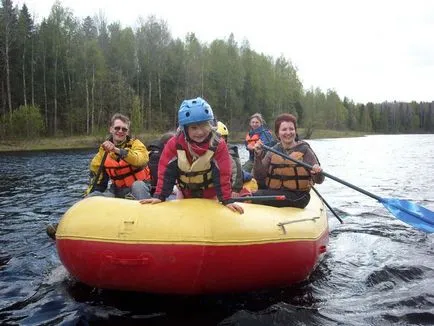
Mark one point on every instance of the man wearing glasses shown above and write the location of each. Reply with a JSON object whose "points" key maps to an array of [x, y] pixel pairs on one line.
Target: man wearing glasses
{"points": [[123, 160]]}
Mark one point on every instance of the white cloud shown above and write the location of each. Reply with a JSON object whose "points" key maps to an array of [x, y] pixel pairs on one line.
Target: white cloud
{"points": [[365, 50]]}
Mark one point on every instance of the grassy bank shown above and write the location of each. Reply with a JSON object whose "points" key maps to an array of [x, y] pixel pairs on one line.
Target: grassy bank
{"points": [[50, 143], [77, 142], [318, 134]]}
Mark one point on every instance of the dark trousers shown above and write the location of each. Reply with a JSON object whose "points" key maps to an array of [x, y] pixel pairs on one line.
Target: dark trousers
{"points": [[298, 199]]}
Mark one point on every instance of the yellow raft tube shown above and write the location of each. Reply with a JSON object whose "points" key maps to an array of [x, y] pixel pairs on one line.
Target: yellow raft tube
{"points": [[190, 246]]}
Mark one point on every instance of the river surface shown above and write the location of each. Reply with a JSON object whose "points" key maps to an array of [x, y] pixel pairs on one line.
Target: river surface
{"points": [[378, 271]]}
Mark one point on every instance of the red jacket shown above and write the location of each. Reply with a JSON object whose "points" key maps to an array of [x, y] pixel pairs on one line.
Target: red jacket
{"points": [[168, 171]]}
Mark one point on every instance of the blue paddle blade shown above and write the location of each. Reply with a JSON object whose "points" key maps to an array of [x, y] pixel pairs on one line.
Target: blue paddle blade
{"points": [[410, 213]]}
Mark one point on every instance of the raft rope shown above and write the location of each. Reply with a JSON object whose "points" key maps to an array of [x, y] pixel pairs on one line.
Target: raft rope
{"points": [[282, 224]]}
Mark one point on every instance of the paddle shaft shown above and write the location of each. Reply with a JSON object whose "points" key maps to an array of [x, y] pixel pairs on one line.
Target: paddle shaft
{"points": [[259, 198], [327, 204], [307, 166], [98, 173]]}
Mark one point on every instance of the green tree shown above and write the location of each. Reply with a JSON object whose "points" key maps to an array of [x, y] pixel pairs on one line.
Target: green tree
{"points": [[24, 37], [26, 122], [383, 124], [153, 39], [194, 67], [135, 114], [8, 22], [175, 81], [335, 113], [224, 79], [60, 25], [365, 118], [313, 103], [352, 122], [287, 86]]}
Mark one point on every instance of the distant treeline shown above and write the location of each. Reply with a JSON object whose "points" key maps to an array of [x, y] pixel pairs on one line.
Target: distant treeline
{"points": [[66, 76]]}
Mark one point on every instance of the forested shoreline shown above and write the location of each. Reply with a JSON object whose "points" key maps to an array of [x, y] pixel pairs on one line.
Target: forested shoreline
{"points": [[65, 76]]}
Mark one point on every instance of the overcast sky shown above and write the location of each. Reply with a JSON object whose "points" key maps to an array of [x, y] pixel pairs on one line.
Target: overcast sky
{"points": [[367, 50]]}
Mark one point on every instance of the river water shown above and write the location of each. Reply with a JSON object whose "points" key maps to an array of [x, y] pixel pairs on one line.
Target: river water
{"points": [[378, 271]]}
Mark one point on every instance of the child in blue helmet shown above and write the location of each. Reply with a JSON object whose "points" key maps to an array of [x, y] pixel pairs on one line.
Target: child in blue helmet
{"points": [[196, 158]]}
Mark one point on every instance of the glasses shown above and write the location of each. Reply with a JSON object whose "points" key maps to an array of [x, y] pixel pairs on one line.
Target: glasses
{"points": [[117, 128]]}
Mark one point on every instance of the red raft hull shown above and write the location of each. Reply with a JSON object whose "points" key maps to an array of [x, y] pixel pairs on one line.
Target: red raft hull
{"points": [[190, 269], [191, 246]]}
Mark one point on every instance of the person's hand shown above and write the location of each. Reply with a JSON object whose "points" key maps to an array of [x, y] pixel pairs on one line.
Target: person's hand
{"points": [[150, 201], [235, 208], [258, 147], [316, 169], [108, 146]]}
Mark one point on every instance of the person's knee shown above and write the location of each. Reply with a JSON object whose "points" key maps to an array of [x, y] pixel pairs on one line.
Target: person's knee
{"points": [[140, 190], [138, 185], [301, 202]]}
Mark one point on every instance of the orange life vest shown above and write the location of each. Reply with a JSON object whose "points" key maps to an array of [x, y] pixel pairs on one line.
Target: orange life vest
{"points": [[285, 174], [251, 140], [123, 174]]}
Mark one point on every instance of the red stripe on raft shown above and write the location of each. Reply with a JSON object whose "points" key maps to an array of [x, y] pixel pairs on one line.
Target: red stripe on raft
{"points": [[190, 269]]}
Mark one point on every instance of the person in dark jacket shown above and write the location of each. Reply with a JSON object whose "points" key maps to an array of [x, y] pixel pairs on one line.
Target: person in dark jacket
{"points": [[258, 131], [237, 172], [155, 149]]}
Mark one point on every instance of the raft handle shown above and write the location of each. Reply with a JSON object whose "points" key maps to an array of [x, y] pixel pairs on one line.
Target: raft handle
{"points": [[128, 261], [282, 224]]}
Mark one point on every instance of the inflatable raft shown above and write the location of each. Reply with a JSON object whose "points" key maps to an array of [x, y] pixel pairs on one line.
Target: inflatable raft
{"points": [[190, 246]]}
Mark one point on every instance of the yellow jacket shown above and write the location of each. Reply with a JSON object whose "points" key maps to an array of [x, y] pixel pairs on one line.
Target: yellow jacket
{"points": [[133, 151]]}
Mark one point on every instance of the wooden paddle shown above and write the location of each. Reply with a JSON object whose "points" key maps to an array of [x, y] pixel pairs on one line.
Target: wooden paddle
{"points": [[417, 216]]}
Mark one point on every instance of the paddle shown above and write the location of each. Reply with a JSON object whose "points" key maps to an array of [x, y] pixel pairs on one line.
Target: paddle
{"points": [[98, 173], [259, 198], [327, 204], [419, 217]]}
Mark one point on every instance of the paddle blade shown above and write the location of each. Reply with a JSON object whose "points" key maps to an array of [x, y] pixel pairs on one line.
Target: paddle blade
{"points": [[410, 213]]}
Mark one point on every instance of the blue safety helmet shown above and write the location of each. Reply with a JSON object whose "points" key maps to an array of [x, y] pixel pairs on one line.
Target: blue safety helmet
{"points": [[195, 110]]}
